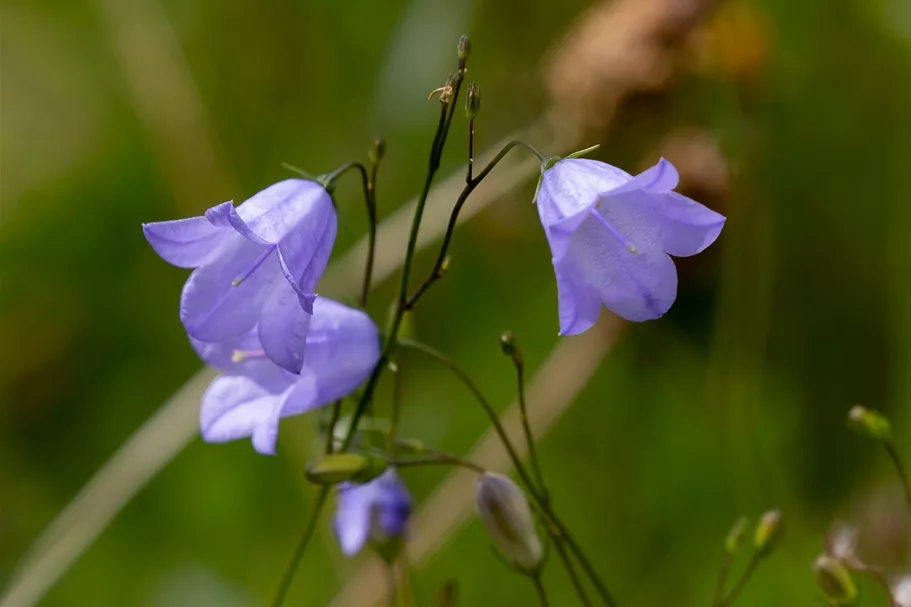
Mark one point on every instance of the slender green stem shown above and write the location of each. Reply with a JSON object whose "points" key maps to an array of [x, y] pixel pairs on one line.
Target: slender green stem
{"points": [[436, 150], [328, 180], [570, 568], [722, 579], [519, 363], [307, 535], [416, 220], [370, 196], [744, 578], [539, 587], [900, 468], [470, 147], [470, 186], [437, 459]]}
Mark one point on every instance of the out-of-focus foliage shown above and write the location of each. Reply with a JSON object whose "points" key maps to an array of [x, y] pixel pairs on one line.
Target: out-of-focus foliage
{"points": [[789, 117]]}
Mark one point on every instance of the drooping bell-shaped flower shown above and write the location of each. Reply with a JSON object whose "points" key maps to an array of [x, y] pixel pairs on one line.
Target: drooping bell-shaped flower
{"points": [[240, 254], [253, 394], [611, 235], [376, 511]]}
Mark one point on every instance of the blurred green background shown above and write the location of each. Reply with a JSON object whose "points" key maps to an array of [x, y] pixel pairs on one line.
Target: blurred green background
{"points": [[792, 118]]}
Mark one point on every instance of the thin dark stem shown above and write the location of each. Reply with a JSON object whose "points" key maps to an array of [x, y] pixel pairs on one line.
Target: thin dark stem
{"points": [[900, 468], [285, 584], [437, 459], [330, 432], [744, 578], [722, 579], [517, 463], [330, 178], [450, 109], [539, 587], [470, 148], [570, 569], [370, 196], [523, 415], [473, 183], [436, 150]]}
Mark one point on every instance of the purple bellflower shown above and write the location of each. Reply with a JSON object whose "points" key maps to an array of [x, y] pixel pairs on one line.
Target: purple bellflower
{"points": [[253, 394], [239, 256], [377, 511], [611, 235]]}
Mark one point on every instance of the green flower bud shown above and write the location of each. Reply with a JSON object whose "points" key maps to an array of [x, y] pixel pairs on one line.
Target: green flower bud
{"points": [[508, 343], [835, 581], [464, 50], [473, 101], [871, 423], [377, 150], [768, 530], [341, 467], [505, 512], [732, 541]]}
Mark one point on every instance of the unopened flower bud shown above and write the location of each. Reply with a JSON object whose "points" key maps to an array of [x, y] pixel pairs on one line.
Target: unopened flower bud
{"points": [[508, 343], [464, 48], [871, 423], [768, 530], [835, 581], [377, 150], [473, 101], [505, 512], [732, 541], [341, 467]]}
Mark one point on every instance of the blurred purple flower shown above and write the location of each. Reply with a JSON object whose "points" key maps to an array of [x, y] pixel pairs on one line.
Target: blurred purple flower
{"points": [[377, 510], [610, 234], [240, 254], [342, 348]]}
